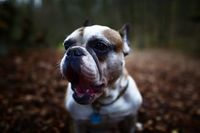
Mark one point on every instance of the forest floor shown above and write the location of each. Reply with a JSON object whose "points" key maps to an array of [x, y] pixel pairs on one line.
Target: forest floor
{"points": [[32, 92]]}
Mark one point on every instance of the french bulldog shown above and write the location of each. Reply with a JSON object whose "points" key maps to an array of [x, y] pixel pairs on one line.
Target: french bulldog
{"points": [[101, 96]]}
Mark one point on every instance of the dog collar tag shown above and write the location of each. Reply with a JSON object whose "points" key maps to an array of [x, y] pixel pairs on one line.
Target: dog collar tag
{"points": [[95, 118]]}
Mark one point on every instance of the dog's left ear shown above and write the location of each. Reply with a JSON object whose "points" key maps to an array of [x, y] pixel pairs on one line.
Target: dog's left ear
{"points": [[124, 32], [86, 23]]}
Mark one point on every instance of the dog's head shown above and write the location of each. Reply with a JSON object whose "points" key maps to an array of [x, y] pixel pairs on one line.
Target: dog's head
{"points": [[94, 60]]}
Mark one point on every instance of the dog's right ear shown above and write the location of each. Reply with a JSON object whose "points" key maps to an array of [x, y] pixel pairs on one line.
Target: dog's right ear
{"points": [[124, 32], [86, 23]]}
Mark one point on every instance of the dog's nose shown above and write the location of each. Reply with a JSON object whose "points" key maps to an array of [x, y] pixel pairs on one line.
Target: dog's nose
{"points": [[75, 52]]}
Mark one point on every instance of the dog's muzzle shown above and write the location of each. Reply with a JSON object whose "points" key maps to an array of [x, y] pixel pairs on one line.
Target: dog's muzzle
{"points": [[81, 69]]}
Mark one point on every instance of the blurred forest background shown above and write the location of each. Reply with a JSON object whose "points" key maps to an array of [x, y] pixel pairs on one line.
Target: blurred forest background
{"points": [[32, 90], [173, 24]]}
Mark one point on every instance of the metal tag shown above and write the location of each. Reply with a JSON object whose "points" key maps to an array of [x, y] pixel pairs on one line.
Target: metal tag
{"points": [[95, 118]]}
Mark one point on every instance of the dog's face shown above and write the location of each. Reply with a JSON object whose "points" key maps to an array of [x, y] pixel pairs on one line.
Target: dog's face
{"points": [[93, 60]]}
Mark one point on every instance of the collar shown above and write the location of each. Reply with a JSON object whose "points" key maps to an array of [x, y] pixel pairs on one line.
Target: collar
{"points": [[97, 105]]}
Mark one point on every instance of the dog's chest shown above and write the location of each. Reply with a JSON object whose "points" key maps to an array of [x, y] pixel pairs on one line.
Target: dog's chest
{"points": [[114, 112], [126, 105]]}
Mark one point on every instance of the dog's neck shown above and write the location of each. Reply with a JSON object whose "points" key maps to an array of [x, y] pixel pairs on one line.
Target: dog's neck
{"points": [[113, 92]]}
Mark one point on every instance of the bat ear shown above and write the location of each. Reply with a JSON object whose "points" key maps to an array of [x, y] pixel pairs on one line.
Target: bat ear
{"points": [[86, 23], [124, 32]]}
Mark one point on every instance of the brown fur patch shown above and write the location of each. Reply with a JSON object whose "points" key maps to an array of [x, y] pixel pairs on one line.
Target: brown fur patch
{"points": [[115, 39], [81, 30]]}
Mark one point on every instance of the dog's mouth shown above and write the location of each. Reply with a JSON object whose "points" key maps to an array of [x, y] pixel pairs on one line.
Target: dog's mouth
{"points": [[86, 94], [85, 76], [86, 88]]}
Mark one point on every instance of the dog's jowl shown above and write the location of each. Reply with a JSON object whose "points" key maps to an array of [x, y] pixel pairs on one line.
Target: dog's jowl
{"points": [[101, 95]]}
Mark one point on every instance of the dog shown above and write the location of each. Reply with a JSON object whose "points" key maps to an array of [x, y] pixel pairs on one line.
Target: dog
{"points": [[101, 95]]}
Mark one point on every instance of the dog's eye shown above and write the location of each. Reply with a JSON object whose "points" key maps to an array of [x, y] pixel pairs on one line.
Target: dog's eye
{"points": [[68, 44], [99, 46]]}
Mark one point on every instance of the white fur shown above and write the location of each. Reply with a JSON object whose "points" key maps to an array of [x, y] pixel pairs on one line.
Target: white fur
{"points": [[95, 30]]}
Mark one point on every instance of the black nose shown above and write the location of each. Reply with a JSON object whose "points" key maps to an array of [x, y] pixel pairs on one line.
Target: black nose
{"points": [[75, 52]]}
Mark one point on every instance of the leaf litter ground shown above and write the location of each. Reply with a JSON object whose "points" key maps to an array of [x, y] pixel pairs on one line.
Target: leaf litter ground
{"points": [[32, 92]]}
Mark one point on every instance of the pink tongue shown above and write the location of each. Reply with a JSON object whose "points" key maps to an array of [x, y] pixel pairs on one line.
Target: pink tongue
{"points": [[85, 90], [81, 90], [82, 86]]}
